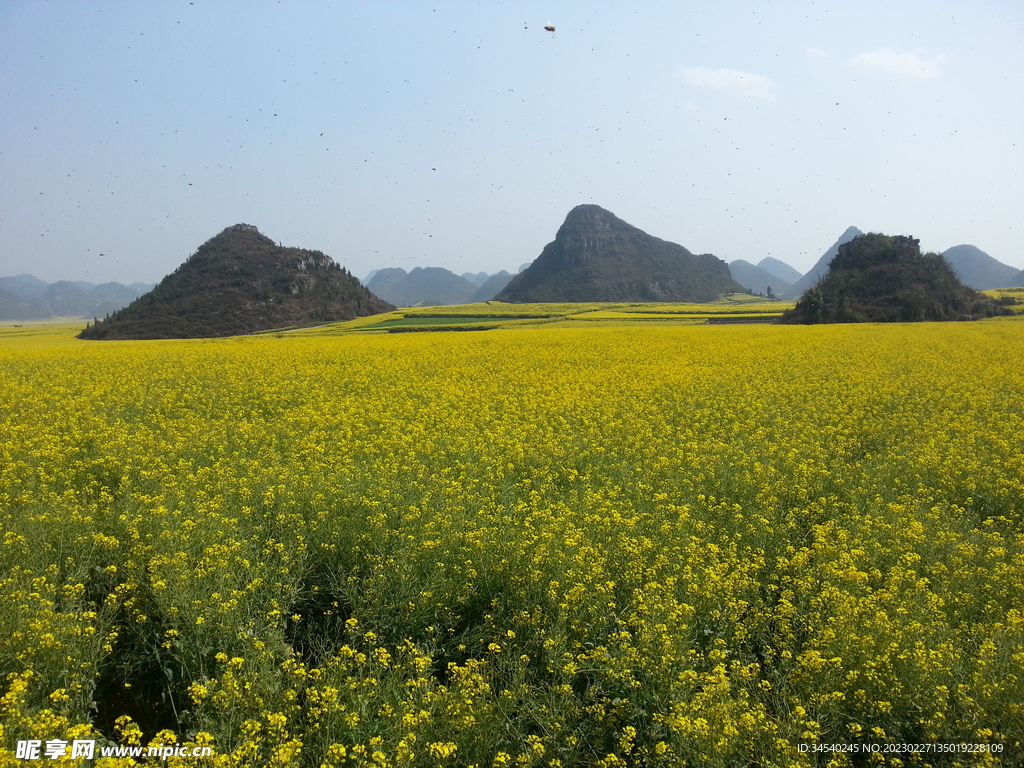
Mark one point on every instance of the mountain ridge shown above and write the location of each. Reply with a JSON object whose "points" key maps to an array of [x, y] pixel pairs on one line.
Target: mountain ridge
{"points": [[977, 269], [756, 279], [780, 270], [26, 297], [821, 266], [426, 286]]}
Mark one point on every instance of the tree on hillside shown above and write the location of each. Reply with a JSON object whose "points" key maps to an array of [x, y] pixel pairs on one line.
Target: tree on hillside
{"points": [[882, 278]]}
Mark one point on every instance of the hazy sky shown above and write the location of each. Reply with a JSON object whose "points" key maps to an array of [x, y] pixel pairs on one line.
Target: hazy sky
{"points": [[459, 134]]}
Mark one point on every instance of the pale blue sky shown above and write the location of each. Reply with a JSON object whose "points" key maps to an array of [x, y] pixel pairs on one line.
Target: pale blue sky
{"points": [[460, 134]]}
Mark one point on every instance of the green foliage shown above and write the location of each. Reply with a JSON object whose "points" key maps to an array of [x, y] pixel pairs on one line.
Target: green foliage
{"points": [[241, 282], [885, 279]]}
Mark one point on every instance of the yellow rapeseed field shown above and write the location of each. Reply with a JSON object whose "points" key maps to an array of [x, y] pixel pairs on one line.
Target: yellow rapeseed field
{"points": [[567, 546]]}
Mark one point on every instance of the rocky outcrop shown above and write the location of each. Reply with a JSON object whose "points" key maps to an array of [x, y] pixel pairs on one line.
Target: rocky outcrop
{"points": [[596, 256]]}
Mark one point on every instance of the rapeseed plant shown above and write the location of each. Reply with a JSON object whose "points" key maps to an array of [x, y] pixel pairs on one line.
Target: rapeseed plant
{"points": [[572, 546]]}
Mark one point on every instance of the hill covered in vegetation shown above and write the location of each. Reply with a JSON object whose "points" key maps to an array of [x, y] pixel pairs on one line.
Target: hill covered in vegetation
{"points": [[881, 278], [240, 282], [596, 256]]}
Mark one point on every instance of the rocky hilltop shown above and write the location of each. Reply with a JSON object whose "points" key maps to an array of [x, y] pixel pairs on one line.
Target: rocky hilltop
{"points": [[240, 282], [884, 279], [596, 256]]}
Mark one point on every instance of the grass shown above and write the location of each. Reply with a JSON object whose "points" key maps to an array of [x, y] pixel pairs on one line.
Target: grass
{"points": [[493, 314], [412, 321], [675, 316]]}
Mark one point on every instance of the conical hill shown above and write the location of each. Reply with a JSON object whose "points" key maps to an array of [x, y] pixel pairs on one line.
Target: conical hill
{"points": [[596, 256], [240, 282]]}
